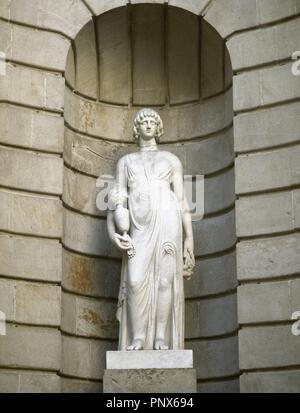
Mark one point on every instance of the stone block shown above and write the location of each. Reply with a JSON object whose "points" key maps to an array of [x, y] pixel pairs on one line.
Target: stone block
{"points": [[87, 62], [30, 303], [255, 305], [194, 6], [104, 5], [33, 87], [267, 170], [262, 347], [70, 74], [212, 56], [183, 56], [27, 45], [268, 44], [114, 48], [271, 382], [4, 9], [229, 16], [150, 381], [24, 347], [148, 70], [211, 317], [149, 359], [219, 191], [214, 234], [215, 358], [267, 258], [212, 276], [80, 386], [32, 171], [96, 277], [275, 84], [88, 235], [40, 130], [269, 11], [9, 381], [265, 214], [267, 128], [30, 258], [85, 316], [69, 17], [226, 386], [84, 357], [30, 214]]}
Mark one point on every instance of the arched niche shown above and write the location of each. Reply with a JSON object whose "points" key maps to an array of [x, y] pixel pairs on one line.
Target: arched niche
{"points": [[171, 59]]}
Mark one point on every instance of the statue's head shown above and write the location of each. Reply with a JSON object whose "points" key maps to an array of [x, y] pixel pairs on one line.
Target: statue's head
{"points": [[147, 124]]}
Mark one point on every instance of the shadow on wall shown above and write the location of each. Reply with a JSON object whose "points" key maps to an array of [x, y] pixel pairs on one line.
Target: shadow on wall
{"points": [[148, 55]]}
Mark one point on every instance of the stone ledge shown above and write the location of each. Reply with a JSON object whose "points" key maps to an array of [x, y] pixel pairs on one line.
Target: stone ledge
{"points": [[149, 359], [150, 381]]}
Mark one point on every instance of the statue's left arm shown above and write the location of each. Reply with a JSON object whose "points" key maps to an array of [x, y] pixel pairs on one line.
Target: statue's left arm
{"points": [[188, 246]]}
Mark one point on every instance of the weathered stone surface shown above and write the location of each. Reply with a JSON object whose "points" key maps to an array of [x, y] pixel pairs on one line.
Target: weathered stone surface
{"points": [[211, 61], [272, 169], [262, 347], [270, 44], [271, 382], [228, 16], [4, 8], [86, 62], [33, 171], [180, 123], [255, 305], [226, 386], [100, 7], [219, 191], [98, 157], [27, 45], [265, 214], [194, 6], [18, 214], [25, 347], [87, 235], [262, 87], [215, 358], [267, 258], [84, 357], [69, 17], [30, 303], [148, 68], [85, 316], [267, 128], [214, 234], [32, 87], [183, 56], [97, 277], [211, 317], [212, 276], [14, 381], [150, 381], [114, 48], [32, 258], [70, 72], [149, 359], [80, 386], [276, 10], [31, 129]]}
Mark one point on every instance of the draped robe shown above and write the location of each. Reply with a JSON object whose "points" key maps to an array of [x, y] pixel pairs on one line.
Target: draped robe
{"points": [[156, 231]]}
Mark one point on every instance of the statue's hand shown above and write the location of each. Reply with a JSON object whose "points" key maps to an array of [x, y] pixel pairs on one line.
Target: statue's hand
{"points": [[123, 242], [188, 258]]}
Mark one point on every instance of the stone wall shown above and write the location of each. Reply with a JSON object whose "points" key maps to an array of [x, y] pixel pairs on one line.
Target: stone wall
{"points": [[59, 275]]}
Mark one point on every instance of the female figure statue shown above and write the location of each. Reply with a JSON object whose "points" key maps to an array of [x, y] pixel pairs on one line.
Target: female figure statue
{"points": [[149, 194]]}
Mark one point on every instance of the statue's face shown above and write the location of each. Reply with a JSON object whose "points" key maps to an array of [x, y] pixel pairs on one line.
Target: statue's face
{"points": [[148, 128]]}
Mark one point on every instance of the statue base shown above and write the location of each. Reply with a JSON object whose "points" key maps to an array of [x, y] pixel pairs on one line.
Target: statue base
{"points": [[150, 371]]}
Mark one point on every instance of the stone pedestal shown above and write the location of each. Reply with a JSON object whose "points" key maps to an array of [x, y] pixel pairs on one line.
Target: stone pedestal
{"points": [[150, 371]]}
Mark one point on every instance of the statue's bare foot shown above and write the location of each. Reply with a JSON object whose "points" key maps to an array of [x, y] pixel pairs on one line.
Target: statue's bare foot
{"points": [[160, 345], [137, 344]]}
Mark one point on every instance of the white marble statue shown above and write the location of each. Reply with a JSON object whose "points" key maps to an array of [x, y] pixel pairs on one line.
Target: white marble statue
{"points": [[151, 224]]}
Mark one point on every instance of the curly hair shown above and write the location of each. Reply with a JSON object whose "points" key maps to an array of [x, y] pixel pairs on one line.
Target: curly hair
{"points": [[140, 116]]}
